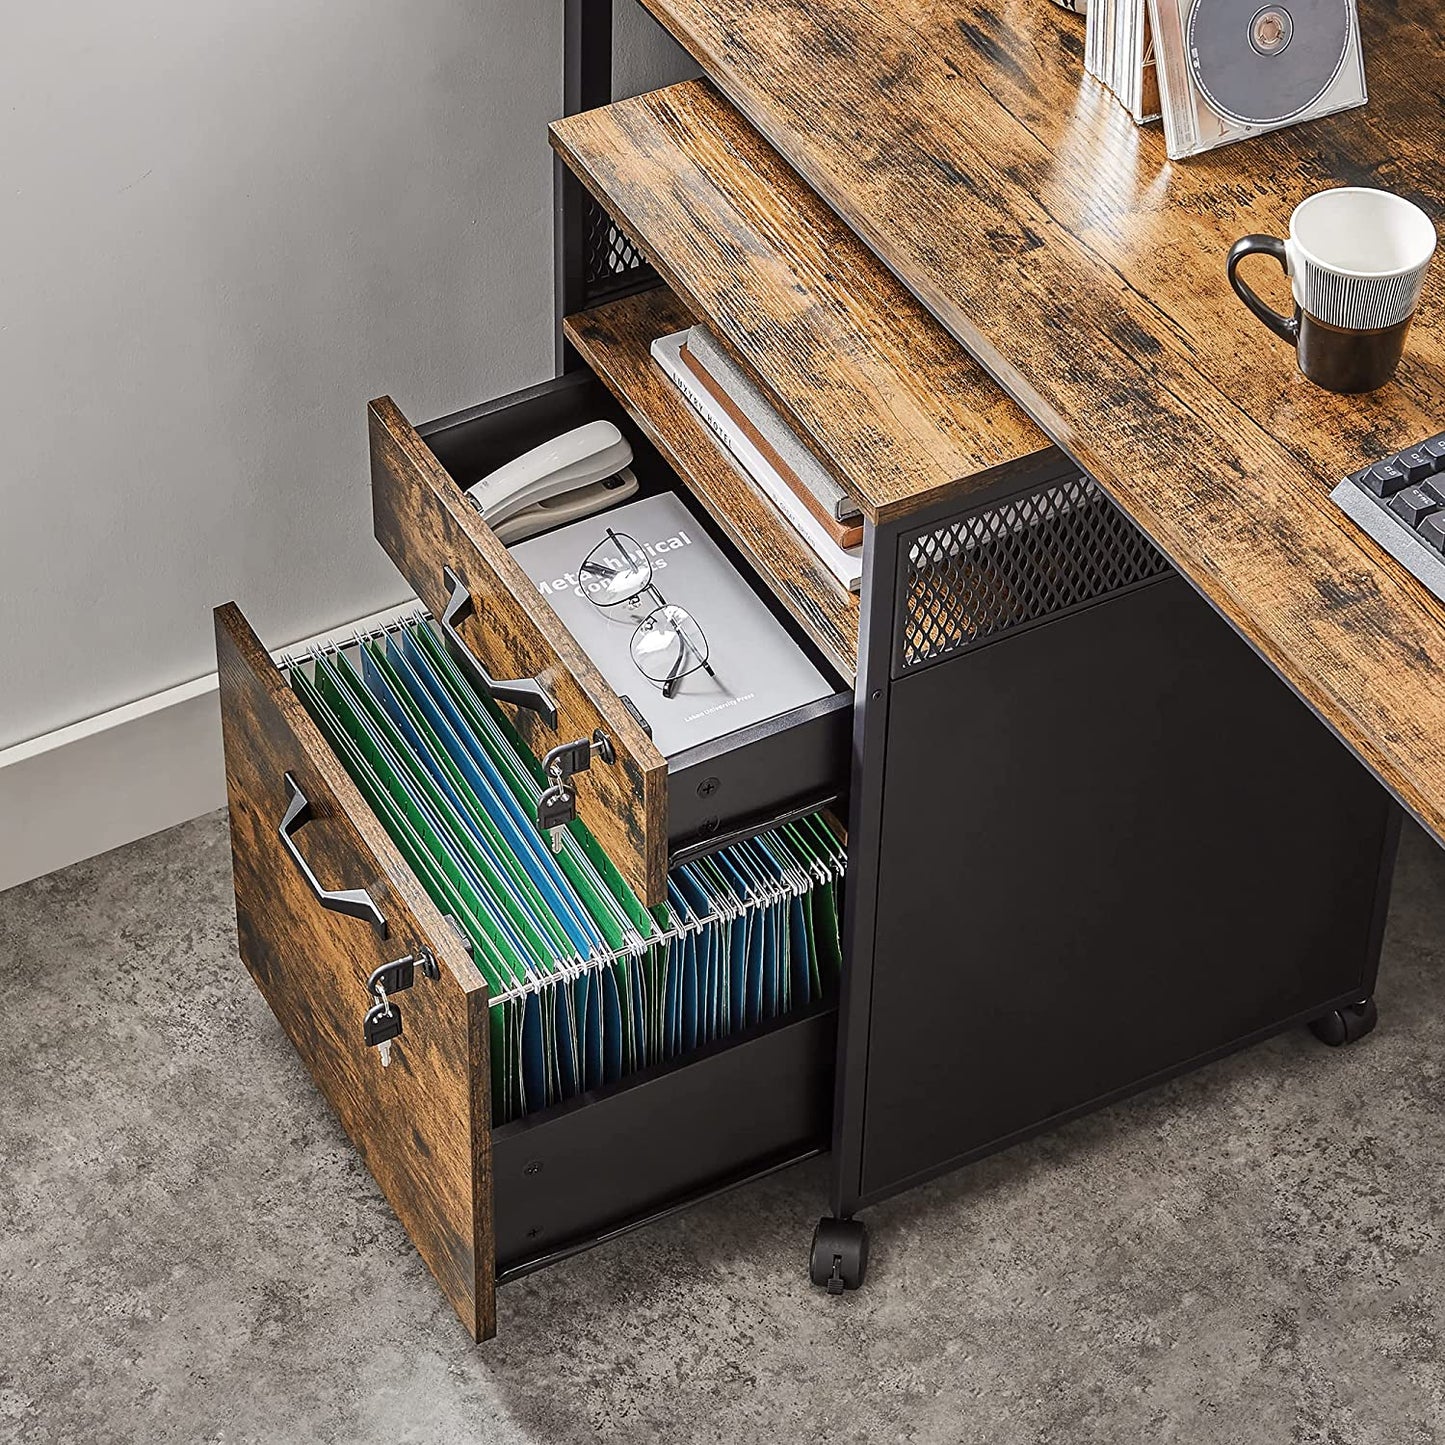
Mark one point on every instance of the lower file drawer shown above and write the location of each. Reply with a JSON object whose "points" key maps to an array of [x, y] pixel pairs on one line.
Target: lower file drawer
{"points": [[325, 899]]}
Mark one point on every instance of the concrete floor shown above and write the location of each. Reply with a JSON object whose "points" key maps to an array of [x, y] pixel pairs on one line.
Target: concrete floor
{"points": [[192, 1252]]}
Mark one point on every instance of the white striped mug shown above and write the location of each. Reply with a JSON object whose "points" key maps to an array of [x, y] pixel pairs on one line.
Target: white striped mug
{"points": [[1356, 259]]}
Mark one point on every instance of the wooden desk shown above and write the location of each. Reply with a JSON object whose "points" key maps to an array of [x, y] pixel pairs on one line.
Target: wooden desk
{"points": [[1053, 238], [1092, 840]]}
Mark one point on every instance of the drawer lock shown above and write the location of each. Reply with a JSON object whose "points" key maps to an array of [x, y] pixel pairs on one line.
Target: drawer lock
{"points": [[558, 804], [382, 1024]]}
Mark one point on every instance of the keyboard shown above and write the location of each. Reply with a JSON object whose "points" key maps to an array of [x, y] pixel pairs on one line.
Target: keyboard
{"points": [[1400, 502]]}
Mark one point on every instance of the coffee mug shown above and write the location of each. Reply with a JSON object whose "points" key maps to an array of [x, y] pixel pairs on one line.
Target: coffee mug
{"points": [[1356, 259]]}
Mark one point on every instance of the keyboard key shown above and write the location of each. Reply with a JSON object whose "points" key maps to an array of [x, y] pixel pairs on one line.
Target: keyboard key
{"points": [[1396, 484], [1416, 503], [1417, 464], [1432, 530], [1384, 479]]}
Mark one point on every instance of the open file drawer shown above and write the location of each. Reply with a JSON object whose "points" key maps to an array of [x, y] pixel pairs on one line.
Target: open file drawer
{"points": [[482, 1204], [479, 1204], [641, 807]]}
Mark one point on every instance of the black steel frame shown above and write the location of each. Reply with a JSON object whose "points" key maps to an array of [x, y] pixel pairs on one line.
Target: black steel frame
{"points": [[586, 83], [588, 58], [594, 261], [878, 743]]}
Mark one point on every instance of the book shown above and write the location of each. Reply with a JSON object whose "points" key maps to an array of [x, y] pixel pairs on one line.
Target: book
{"points": [[730, 387], [846, 564], [758, 671]]}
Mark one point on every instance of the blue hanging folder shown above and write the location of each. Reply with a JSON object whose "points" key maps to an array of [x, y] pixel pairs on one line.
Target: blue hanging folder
{"points": [[540, 1081], [430, 748]]}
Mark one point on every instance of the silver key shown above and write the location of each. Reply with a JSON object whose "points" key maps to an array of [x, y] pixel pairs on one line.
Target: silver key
{"points": [[555, 809], [382, 1025]]}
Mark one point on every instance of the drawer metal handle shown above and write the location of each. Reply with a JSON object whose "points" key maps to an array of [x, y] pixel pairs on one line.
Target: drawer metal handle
{"points": [[356, 902], [521, 691]]}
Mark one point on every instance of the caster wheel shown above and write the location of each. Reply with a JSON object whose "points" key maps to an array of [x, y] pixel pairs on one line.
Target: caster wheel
{"points": [[1345, 1025], [839, 1257]]}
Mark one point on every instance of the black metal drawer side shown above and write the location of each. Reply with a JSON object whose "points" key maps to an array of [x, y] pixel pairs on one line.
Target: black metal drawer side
{"points": [[662, 1140]]}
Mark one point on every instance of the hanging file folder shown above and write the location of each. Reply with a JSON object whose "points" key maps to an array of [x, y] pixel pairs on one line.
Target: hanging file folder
{"points": [[587, 985]]}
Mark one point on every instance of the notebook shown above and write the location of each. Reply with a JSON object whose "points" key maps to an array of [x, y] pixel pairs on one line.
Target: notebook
{"points": [[750, 411]]}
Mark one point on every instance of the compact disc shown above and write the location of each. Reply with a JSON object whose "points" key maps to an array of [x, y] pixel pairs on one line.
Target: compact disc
{"points": [[1262, 62]]}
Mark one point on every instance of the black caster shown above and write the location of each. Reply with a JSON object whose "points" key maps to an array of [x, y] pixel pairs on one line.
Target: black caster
{"points": [[839, 1257], [1345, 1025]]}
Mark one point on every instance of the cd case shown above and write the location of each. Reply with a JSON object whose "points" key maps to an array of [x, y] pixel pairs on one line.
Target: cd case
{"points": [[1119, 52], [1230, 69]]}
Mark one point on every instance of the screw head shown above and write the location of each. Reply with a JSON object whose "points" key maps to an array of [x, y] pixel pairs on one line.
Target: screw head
{"points": [[533, 1166], [708, 787]]}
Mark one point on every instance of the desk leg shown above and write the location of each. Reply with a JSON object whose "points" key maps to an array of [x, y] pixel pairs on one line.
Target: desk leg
{"points": [[840, 1249]]}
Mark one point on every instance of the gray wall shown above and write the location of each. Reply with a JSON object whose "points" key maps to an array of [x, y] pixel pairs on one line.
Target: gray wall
{"points": [[223, 228], [644, 55]]}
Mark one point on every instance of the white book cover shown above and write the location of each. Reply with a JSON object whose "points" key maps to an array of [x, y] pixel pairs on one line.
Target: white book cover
{"points": [[704, 352], [846, 564], [760, 672]]}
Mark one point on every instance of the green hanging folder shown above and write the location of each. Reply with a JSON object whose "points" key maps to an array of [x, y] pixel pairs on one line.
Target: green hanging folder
{"points": [[444, 857], [506, 1079], [561, 947], [537, 956]]}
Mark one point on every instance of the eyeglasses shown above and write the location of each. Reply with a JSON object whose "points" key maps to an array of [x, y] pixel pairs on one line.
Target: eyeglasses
{"points": [[667, 644]]}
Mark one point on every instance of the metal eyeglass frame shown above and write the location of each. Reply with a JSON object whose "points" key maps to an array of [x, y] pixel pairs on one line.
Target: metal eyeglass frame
{"points": [[628, 546]]}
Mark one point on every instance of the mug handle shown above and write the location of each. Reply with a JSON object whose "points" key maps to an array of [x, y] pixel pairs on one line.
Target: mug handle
{"points": [[1285, 327]]}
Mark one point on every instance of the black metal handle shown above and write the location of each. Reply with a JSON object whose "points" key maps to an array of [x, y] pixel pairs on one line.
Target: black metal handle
{"points": [[356, 902], [519, 691], [1285, 327]]}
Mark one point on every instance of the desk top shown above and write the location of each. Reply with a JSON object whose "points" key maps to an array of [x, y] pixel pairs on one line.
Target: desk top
{"points": [[1020, 204]]}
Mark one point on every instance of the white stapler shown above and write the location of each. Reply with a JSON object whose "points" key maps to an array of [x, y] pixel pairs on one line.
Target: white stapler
{"points": [[568, 477]]}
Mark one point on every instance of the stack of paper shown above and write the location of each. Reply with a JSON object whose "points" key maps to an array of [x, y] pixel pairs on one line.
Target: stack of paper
{"points": [[845, 563], [586, 984], [1119, 51]]}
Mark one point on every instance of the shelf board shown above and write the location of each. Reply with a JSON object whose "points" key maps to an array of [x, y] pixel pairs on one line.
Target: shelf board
{"points": [[614, 341], [889, 401]]}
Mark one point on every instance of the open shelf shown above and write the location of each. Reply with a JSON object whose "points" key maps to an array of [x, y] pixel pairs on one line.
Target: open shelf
{"points": [[884, 396], [614, 341]]}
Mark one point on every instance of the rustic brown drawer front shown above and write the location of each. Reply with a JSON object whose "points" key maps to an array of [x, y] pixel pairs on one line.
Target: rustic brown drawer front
{"points": [[422, 1124], [430, 529]]}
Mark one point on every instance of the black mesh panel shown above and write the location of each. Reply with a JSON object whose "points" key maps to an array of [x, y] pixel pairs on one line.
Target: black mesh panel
{"points": [[984, 573]]}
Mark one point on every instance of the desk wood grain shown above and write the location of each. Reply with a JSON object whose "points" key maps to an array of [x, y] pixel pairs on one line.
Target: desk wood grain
{"points": [[880, 391], [1052, 237]]}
